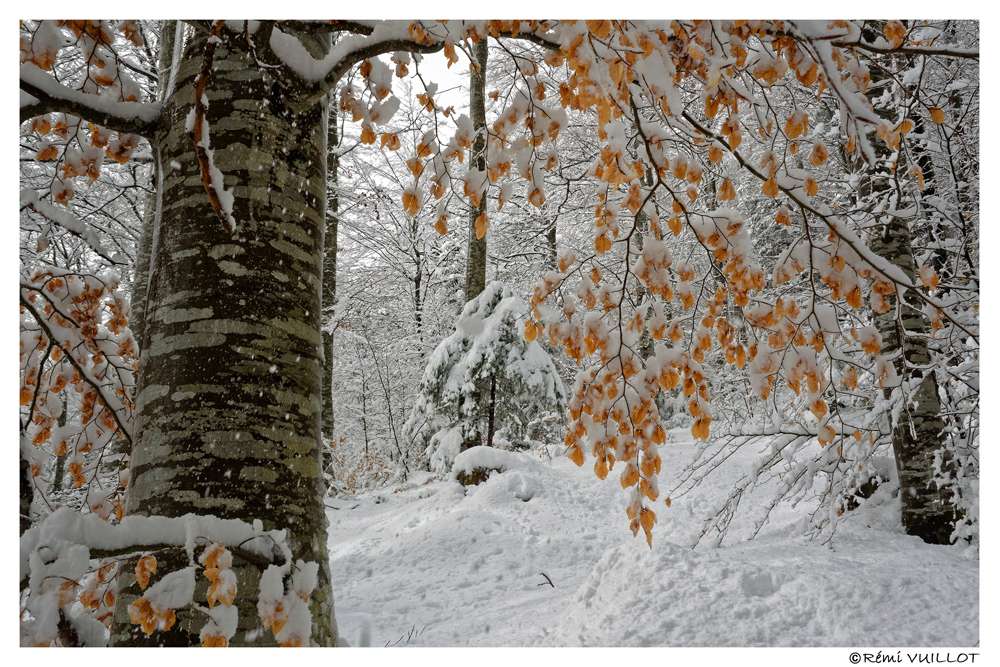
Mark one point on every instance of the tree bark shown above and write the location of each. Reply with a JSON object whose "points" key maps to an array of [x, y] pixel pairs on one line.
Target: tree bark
{"points": [[925, 465], [140, 281], [60, 467], [491, 417], [923, 461], [229, 392], [330, 271], [550, 238], [475, 267], [418, 277], [27, 494]]}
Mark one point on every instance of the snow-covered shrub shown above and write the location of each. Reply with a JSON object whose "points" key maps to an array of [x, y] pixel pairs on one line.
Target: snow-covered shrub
{"points": [[350, 468], [485, 368]]}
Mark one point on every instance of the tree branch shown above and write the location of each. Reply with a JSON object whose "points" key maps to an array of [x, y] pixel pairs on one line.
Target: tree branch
{"points": [[66, 220], [367, 41], [948, 52], [41, 94], [830, 221], [68, 353]]}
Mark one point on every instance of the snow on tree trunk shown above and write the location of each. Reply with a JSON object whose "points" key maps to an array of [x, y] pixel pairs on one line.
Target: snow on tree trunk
{"points": [[923, 460], [140, 283], [229, 393], [924, 463]]}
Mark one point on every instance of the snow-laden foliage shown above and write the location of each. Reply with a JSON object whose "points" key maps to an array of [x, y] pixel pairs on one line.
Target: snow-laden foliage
{"points": [[483, 374], [73, 563]]}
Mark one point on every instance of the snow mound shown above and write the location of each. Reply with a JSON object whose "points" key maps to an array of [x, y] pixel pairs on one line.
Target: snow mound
{"points": [[492, 458], [502, 474]]}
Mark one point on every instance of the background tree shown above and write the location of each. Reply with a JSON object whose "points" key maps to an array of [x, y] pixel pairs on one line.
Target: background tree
{"points": [[524, 390]]}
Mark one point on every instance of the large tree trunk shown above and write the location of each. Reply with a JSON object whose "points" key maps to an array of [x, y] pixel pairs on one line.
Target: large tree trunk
{"points": [[229, 391], [924, 463]]}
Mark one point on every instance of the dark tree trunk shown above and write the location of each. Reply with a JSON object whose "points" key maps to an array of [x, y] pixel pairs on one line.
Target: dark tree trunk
{"points": [[491, 429], [26, 493], [924, 463], [60, 467], [918, 439], [418, 276], [330, 272], [550, 238]]}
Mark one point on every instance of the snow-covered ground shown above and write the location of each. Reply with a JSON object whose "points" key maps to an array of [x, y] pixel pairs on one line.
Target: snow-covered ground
{"points": [[429, 563]]}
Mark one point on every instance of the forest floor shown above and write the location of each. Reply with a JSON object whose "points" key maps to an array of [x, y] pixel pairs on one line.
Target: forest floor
{"points": [[429, 562]]}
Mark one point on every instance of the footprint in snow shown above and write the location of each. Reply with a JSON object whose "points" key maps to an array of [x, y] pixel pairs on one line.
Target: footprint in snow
{"points": [[758, 584]]}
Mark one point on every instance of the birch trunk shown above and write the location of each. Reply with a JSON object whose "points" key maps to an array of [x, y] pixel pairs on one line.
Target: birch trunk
{"points": [[924, 463], [229, 391]]}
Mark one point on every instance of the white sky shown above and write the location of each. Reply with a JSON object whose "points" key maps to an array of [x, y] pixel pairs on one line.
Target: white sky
{"points": [[452, 82]]}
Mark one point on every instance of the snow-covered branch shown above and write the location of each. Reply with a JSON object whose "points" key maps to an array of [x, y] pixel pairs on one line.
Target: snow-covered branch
{"points": [[69, 222], [41, 94], [142, 532], [945, 51], [878, 264], [375, 39], [113, 404]]}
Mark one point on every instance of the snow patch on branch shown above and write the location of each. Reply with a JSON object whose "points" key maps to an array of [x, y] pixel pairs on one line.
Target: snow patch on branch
{"points": [[31, 74], [293, 54], [66, 526]]}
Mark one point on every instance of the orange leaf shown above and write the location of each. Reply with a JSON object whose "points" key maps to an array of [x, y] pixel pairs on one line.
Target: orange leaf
{"points": [[602, 243], [482, 224], [770, 188], [47, 153], [441, 225], [143, 569], [530, 331]]}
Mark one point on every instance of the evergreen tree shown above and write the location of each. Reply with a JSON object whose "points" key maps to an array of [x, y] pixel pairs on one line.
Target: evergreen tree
{"points": [[486, 348]]}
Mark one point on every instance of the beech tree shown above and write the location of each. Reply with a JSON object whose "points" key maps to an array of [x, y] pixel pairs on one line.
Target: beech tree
{"points": [[228, 388], [727, 255]]}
